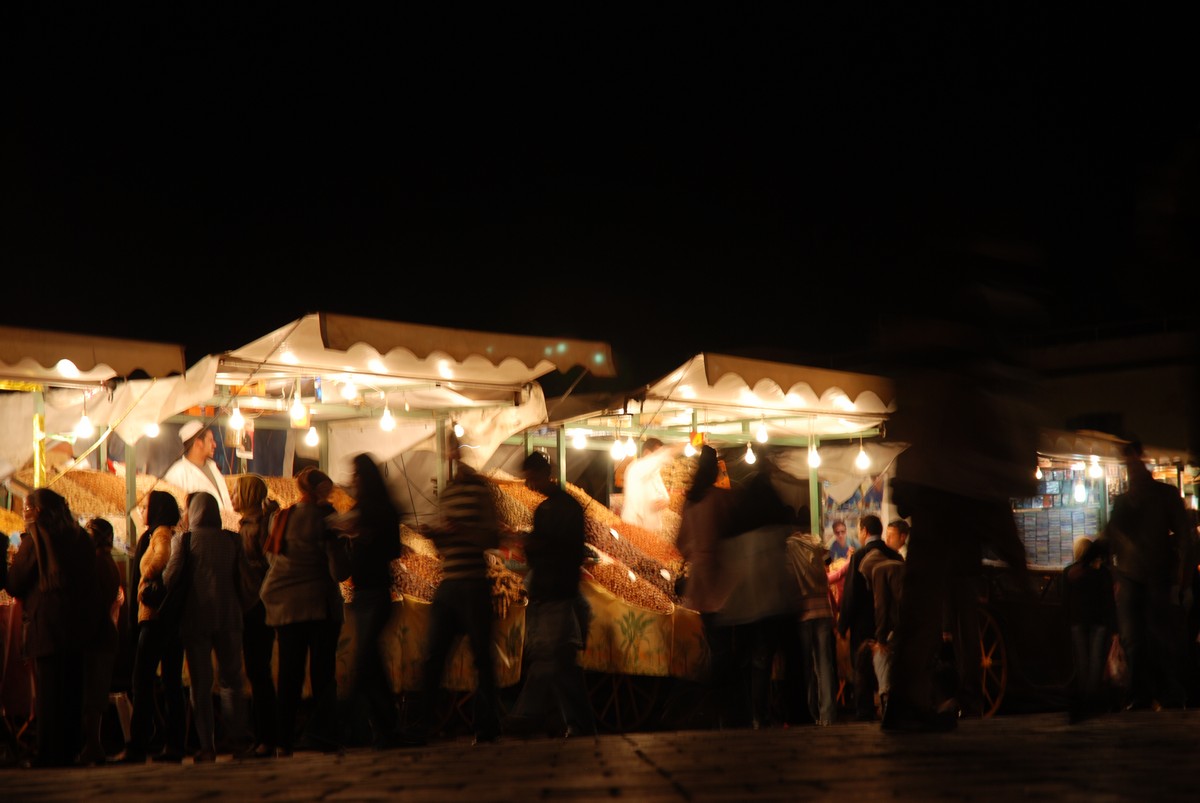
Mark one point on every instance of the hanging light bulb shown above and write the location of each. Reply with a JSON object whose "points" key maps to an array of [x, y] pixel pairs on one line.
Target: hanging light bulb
{"points": [[630, 447], [386, 422], [349, 390], [1037, 475], [862, 461], [814, 457], [1080, 491], [761, 435], [617, 450], [1094, 470], [458, 430], [298, 412], [311, 438], [236, 421], [84, 428], [750, 457], [580, 440], [689, 450], [151, 430]]}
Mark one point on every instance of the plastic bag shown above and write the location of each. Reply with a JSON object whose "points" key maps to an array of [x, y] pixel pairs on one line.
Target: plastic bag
{"points": [[1116, 668]]}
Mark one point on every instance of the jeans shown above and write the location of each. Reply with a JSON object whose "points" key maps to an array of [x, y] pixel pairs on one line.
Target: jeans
{"points": [[158, 644], [199, 647], [553, 639], [368, 614], [820, 668]]}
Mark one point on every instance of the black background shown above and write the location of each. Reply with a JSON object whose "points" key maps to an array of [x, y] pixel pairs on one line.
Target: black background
{"points": [[766, 178]]}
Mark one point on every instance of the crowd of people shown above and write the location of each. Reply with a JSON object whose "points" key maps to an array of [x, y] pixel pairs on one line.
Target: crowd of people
{"points": [[760, 579]]}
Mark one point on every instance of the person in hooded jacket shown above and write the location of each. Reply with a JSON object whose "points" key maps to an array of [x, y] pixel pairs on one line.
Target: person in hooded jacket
{"points": [[212, 619]]}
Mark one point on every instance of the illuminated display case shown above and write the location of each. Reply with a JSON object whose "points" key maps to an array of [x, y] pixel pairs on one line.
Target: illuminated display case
{"points": [[1078, 476]]}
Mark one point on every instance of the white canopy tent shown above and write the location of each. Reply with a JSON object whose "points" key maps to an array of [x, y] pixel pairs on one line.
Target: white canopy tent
{"points": [[54, 377], [728, 399], [349, 372]]}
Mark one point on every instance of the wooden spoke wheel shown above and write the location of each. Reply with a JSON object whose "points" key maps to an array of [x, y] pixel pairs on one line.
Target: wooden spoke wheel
{"points": [[993, 663], [622, 703]]}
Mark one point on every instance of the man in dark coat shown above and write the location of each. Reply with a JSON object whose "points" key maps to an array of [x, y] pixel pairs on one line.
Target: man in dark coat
{"points": [[856, 616]]}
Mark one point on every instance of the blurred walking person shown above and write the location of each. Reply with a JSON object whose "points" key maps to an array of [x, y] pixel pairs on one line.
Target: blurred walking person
{"points": [[557, 616], [964, 407], [467, 526], [373, 527]]}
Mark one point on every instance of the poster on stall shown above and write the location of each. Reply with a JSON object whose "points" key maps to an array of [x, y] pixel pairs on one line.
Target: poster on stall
{"points": [[867, 499]]}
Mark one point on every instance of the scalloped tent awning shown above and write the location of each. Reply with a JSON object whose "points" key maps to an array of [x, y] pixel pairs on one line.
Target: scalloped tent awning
{"points": [[727, 391], [346, 343], [34, 355]]}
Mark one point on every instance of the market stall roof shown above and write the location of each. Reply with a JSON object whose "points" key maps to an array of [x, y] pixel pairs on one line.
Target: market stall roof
{"points": [[342, 363], [728, 397], [64, 359]]}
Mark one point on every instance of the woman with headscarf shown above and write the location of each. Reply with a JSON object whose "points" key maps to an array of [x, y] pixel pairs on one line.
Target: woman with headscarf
{"points": [[54, 577], [304, 604], [212, 619], [258, 638], [157, 643]]}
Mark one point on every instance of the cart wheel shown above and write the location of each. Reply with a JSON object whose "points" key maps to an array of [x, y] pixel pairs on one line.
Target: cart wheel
{"points": [[993, 663], [622, 703]]}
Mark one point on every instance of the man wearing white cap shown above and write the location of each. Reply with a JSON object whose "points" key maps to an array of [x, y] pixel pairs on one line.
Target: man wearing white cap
{"points": [[196, 470]]}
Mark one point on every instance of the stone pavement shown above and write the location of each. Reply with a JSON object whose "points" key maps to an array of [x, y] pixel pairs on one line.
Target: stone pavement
{"points": [[1151, 756]]}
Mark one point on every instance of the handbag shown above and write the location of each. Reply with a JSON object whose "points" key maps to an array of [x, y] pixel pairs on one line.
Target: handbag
{"points": [[170, 609]]}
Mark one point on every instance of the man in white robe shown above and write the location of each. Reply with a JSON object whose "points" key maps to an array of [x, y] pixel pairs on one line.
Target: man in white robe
{"points": [[196, 470]]}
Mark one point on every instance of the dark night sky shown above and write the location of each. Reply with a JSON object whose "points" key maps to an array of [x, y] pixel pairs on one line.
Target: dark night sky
{"points": [[728, 178]]}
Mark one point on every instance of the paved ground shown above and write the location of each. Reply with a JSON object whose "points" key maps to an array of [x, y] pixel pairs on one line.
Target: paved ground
{"points": [[1128, 756]]}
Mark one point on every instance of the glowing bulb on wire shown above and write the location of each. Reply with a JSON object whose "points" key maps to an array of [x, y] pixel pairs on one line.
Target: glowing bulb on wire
{"points": [[579, 441], [761, 435], [814, 457], [1080, 491], [311, 438], [750, 458], [863, 461], [387, 421], [617, 450], [236, 421]]}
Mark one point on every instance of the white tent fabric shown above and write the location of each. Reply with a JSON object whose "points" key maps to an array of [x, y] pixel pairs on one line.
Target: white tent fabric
{"points": [[35, 355], [332, 343], [483, 432], [801, 400]]}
